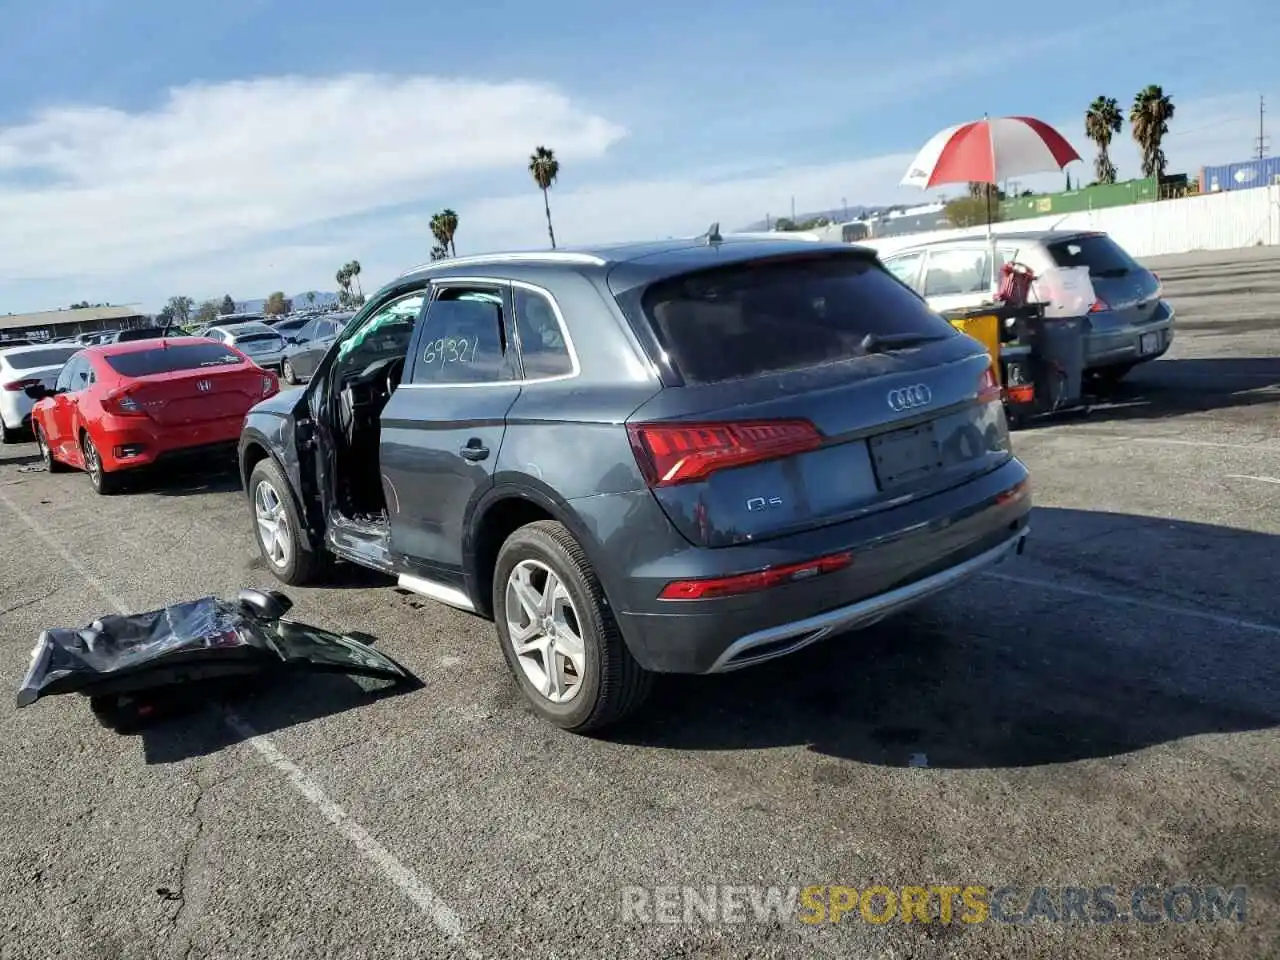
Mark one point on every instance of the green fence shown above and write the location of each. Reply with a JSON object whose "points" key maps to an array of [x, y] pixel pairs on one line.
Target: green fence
{"points": [[1077, 201]]}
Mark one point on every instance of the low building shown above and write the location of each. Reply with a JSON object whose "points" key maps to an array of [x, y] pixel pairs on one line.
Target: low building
{"points": [[55, 324]]}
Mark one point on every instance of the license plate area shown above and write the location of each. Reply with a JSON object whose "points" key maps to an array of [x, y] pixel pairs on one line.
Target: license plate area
{"points": [[1149, 343], [906, 456]]}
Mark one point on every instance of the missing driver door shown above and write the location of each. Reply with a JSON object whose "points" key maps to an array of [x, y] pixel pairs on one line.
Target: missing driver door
{"points": [[443, 429]]}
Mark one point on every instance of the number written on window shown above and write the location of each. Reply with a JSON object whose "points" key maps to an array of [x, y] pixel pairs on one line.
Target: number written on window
{"points": [[448, 350]]}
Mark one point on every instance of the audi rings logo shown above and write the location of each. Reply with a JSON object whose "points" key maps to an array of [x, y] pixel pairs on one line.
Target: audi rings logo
{"points": [[909, 398]]}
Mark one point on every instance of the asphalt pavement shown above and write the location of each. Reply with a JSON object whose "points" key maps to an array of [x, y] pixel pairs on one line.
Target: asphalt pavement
{"points": [[1101, 711]]}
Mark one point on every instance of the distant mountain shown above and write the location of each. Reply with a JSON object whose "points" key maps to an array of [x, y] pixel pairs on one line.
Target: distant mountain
{"points": [[323, 299]]}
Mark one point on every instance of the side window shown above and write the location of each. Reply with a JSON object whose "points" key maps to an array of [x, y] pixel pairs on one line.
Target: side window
{"points": [[906, 268], [76, 375], [544, 351], [64, 375], [305, 332], [463, 339], [381, 335], [327, 328], [962, 270]]}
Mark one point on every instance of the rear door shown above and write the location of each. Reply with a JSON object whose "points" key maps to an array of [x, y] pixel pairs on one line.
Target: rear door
{"points": [[443, 428], [816, 389]]}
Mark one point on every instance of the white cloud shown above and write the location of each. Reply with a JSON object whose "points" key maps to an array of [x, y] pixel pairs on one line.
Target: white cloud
{"points": [[232, 187], [218, 166]]}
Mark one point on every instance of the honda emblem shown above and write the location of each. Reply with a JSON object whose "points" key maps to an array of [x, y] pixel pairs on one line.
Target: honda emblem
{"points": [[204, 386]]}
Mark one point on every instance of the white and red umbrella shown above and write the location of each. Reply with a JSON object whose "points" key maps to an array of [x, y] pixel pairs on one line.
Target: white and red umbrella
{"points": [[989, 151]]}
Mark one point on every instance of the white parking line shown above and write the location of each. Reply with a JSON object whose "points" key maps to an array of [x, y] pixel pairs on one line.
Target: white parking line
{"points": [[1245, 476], [422, 896], [1107, 597]]}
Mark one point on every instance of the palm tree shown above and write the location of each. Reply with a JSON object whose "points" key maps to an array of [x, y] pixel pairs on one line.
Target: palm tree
{"points": [[343, 276], [354, 268], [544, 168], [442, 241], [311, 298], [1101, 122], [1149, 120], [448, 227]]}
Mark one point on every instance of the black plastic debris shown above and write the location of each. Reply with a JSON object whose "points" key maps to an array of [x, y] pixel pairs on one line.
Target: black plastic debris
{"points": [[137, 667]]}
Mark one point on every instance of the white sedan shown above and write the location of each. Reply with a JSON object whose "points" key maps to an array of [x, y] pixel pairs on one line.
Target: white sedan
{"points": [[22, 367]]}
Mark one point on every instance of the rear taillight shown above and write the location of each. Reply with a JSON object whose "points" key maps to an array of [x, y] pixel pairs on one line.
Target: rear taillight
{"points": [[17, 386], [672, 453], [1099, 305], [757, 580], [121, 404], [989, 386]]}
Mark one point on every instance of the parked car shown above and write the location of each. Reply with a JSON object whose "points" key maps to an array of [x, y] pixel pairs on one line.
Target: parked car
{"points": [[119, 407], [21, 368], [682, 456], [260, 342], [1130, 323], [136, 333], [305, 348]]}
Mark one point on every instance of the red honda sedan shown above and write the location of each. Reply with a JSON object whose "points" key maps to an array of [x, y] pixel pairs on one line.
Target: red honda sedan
{"points": [[120, 406]]}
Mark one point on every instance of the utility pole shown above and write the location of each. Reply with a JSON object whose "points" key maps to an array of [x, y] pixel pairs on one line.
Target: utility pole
{"points": [[1262, 129], [793, 209]]}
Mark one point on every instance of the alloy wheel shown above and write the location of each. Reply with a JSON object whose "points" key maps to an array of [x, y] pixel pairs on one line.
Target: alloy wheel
{"points": [[545, 631], [92, 462], [273, 524]]}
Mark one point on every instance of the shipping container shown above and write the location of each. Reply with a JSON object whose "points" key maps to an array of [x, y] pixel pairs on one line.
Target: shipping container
{"points": [[1243, 175]]}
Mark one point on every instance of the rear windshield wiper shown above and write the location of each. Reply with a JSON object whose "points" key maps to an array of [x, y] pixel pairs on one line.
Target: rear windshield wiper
{"points": [[1112, 273], [887, 342]]}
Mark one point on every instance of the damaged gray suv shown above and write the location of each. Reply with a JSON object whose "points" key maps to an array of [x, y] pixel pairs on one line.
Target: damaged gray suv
{"points": [[687, 456]]}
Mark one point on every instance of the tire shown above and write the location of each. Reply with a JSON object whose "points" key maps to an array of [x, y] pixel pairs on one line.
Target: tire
{"points": [[6, 435], [51, 465], [287, 374], [104, 483], [609, 685], [290, 556]]}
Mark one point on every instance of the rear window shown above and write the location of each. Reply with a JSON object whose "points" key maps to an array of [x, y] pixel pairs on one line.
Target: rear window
{"points": [[771, 316], [170, 359], [257, 338], [30, 359], [1102, 255]]}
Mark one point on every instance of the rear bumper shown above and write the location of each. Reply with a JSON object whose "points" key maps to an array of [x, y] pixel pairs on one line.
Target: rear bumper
{"points": [[926, 548], [129, 446], [789, 637], [1129, 343]]}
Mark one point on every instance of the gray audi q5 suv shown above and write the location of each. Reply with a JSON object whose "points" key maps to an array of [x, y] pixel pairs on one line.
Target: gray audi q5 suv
{"points": [[684, 456]]}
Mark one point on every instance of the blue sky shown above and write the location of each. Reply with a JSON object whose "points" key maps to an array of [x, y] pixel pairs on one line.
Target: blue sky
{"points": [[153, 148]]}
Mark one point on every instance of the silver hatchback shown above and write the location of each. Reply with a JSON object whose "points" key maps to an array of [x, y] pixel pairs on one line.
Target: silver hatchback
{"points": [[1130, 322]]}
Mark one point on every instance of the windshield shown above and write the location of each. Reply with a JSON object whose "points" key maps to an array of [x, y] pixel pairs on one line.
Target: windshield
{"points": [[30, 359], [768, 316], [170, 359]]}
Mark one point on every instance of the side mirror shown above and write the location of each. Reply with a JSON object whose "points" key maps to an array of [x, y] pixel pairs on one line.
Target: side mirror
{"points": [[38, 391]]}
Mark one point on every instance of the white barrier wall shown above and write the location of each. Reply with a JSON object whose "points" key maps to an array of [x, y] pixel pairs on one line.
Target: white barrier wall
{"points": [[1214, 221]]}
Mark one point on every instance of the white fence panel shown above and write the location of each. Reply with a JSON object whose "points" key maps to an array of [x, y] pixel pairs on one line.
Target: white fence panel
{"points": [[1216, 221]]}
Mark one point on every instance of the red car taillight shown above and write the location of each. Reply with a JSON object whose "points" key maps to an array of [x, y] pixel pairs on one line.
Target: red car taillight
{"points": [[122, 405], [672, 453], [989, 386], [17, 386], [756, 580], [1099, 305]]}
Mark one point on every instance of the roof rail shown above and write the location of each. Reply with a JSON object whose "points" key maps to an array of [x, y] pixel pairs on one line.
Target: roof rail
{"points": [[534, 256]]}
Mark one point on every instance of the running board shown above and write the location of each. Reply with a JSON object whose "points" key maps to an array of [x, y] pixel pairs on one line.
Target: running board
{"points": [[450, 596]]}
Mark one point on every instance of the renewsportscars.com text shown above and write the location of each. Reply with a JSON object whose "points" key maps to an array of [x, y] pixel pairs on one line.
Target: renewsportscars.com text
{"points": [[935, 903]]}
